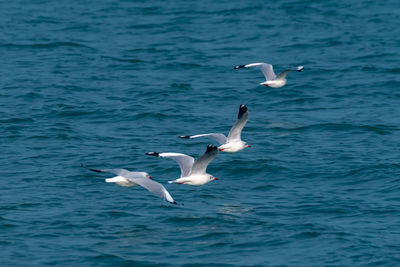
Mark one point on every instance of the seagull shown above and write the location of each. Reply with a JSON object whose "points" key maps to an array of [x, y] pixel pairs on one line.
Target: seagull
{"points": [[128, 179], [232, 143], [193, 172], [272, 80]]}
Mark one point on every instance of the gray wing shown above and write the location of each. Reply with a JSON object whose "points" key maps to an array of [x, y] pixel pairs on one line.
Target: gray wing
{"points": [[266, 69], [121, 172], [284, 73], [236, 130], [154, 187], [185, 162], [220, 138], [200, 165]]}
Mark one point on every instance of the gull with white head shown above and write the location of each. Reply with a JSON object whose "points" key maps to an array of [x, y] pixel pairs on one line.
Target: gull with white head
{"points": [[128, 179], [233, 142], [272, 80], [193, 172]]}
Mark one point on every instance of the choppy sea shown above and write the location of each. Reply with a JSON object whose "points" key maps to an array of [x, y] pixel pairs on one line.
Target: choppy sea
{"points": [[103, 82]]}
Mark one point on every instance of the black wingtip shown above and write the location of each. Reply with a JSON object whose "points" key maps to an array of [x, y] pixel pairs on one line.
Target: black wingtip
{"points": [[176, 203], [154, 154], [242, 109], [301, 68], [184, 136], [93, 170], [239, 66], [211, 148]]}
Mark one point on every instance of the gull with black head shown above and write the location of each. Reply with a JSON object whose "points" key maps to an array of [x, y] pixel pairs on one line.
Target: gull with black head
{"points": [[193, 172], [272, 80], [232, 143]]}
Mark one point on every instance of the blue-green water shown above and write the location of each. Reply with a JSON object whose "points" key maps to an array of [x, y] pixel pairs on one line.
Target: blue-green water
{"points": [[102, 82]]}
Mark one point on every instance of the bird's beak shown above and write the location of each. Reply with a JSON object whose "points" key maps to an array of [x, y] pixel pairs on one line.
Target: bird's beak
{"points": [[150, 177], [215, 178], [221, 149], [248, 145]]}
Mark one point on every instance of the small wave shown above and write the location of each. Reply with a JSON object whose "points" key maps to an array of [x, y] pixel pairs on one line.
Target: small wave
{"points": [[302, 100], [367, 171], [181, 65], [117, 214], [151, 50], [374, 56], [238, 10], [125, 60], [393, 70], [232, 210], [146, 26], [181, 86], [297, 46], [266, 187], [110, 259], [213, 235], [30, 96], [17, 120], [75, 113], [156, 115], [194, 220], [45, 45], [306, 234], [379, 129], [29, 205]]}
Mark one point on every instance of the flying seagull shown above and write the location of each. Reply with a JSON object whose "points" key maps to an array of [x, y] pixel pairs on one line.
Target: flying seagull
{"points": [[272, 80], [233, 142], [193, 172], [129, 179]]}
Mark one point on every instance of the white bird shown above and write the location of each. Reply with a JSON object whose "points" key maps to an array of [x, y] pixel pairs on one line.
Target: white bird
{"points": [[271, 79], [127, 178], [233, 142], [192, 172]]}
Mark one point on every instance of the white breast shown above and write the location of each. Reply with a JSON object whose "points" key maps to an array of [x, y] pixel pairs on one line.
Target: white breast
{"points": [[122, 181], [232, 146], [275, 83], [198, 179]]}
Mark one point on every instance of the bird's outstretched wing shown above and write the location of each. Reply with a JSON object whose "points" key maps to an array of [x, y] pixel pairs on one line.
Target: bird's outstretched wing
{"points": [[266, 69], [121, 172], [220, 138], [154, 187], [200, 165], [236, 130], [185, 162], [283, 74]]}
